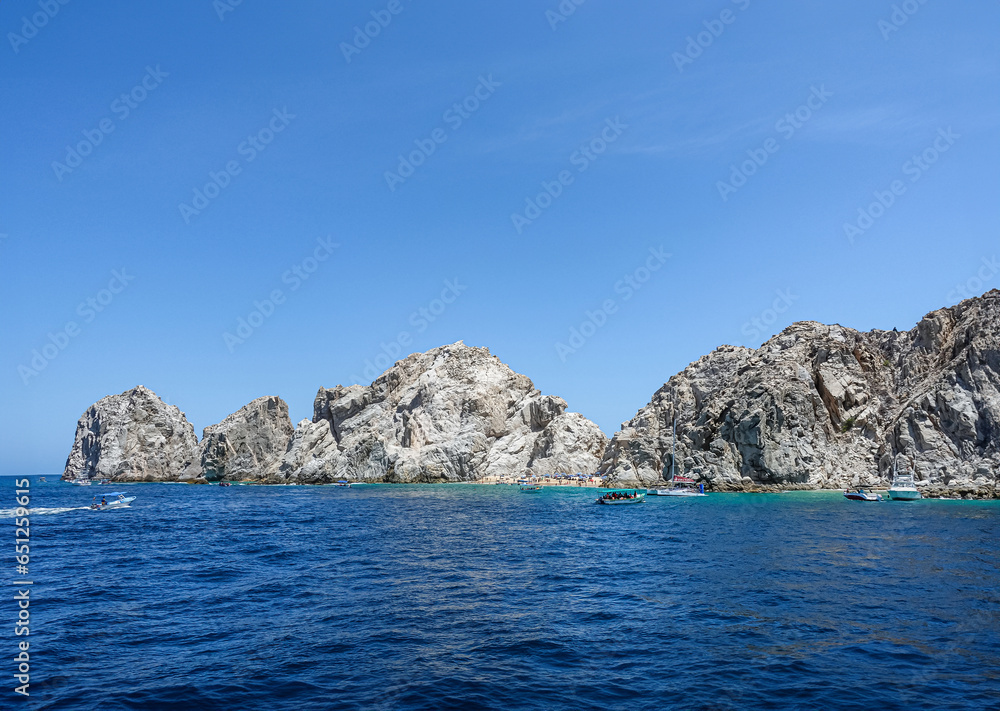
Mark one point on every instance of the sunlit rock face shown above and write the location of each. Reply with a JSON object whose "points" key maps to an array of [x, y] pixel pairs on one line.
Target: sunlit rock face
{"points": [[826, 407], [454, 413], [133, 436], [248, 442], [815, 407]]}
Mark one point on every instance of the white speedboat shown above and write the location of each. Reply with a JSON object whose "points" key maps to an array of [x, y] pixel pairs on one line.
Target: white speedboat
{"points": [[81, 482], [112, 500]]}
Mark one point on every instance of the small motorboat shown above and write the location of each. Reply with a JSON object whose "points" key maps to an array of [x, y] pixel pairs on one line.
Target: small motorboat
{"points": [[344, 483], [41, 479], [862, 495], [119, 502], [105, 481], [81, 482], [531, 487], [622, 496], [224, 483]]}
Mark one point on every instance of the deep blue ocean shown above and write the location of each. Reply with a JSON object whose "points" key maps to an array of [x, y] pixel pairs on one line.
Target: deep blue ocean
{"points": [[484, 597]]}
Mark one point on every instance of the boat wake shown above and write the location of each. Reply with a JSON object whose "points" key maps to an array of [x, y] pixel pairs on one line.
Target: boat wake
{"points": [[45, 512]]}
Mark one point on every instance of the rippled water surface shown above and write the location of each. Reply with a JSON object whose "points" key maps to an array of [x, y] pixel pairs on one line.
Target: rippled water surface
{"points": [[484, 597]]}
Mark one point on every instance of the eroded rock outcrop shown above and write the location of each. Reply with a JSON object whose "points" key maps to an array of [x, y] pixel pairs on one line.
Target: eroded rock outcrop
{"points": [[134, 436], [454, 413], [247, 443], [815, 407], [827, 407]]}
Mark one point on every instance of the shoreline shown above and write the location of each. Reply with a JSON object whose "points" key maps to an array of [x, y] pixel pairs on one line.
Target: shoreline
{"points": [[933, 494]]}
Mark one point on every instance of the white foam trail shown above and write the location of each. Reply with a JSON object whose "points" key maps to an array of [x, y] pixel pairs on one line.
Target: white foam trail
{"points": [[44, 511]]}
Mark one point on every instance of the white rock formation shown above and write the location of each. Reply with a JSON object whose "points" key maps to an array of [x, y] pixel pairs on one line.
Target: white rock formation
{"points": [[134, 436], [454, 413], [248, 442]]}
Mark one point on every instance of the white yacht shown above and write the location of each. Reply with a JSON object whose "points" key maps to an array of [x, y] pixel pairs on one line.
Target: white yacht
{"points": [[903, 487]]}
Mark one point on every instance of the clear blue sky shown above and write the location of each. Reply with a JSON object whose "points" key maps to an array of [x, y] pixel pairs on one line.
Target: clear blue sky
{"points": [[267, 91]]}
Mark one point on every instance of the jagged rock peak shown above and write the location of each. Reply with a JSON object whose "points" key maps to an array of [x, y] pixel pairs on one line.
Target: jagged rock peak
{"points": [[248, 442], [133, 436], [454, 413]]}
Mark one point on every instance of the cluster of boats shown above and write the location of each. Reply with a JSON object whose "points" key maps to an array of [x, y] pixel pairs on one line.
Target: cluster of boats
{"points": [[903, 488]]}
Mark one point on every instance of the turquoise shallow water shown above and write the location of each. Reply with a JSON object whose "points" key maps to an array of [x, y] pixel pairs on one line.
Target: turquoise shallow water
{"points": [[483, 597]]}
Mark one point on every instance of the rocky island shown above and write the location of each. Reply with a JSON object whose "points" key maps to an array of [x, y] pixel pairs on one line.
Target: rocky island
{"points": [[816, 406], [452, 414]]}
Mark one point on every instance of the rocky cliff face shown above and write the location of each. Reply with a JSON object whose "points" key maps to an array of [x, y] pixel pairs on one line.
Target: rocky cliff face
{"points": [[248, 442], [454, 413], [827, 407], [133, 436]]}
